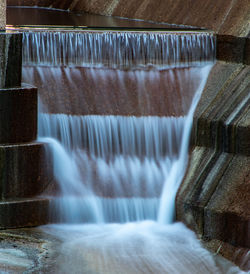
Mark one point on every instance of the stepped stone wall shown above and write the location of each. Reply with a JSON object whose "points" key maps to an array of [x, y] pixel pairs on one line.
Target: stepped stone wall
{"points": [[214, 198], [25, 170]]}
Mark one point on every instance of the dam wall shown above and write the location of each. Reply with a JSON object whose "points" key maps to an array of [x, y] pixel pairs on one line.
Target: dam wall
{"points": [[213, 199]]}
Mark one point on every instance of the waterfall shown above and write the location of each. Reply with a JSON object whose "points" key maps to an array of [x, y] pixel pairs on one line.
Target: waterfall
{"points": [[124, 161], [117, 111], [117, 49]]}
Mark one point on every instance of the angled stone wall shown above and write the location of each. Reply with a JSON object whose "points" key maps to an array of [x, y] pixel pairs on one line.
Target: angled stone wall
{"points": [[214, 198]]}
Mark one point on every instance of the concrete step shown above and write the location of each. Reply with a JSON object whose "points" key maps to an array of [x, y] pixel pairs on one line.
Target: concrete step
{"points": [[25, 170], [18, 114], [25, 212], [238, 255], [222, 118], [10, 59], [214, 198]]}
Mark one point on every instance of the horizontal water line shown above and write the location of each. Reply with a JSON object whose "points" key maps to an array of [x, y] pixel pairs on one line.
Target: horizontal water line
{"points": [[117, 48], [103, 210]]}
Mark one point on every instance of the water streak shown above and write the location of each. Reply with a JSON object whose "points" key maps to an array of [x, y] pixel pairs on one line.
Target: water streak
{"points": [[116, 168], [125, 168], [138, 248], [119, 169], [104, 136], [117, 49]]}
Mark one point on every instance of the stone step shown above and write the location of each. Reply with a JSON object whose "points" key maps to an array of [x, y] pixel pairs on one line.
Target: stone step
{"points": [[214, 197], [24, 212], [10, 59], [25, 170], [238, 255], [222, 118], [18, 114], [233, 48]]}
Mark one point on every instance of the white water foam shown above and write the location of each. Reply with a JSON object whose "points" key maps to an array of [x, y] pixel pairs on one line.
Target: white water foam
{"points": [[139, 248]]}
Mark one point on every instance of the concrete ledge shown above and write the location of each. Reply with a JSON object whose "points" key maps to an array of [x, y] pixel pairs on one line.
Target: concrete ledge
{"points": [[18, 114], [227, 215], [215, 195], [222, 116], [2, 15], [10, 59], [25, 170], [232, 49], [238, 255], [24, 213]]}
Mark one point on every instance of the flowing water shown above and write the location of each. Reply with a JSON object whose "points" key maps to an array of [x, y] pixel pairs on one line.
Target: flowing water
{"points": [[116, 109]]}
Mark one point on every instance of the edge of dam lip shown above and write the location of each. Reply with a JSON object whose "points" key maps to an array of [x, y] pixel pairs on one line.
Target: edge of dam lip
{"points": [[55, 28]]}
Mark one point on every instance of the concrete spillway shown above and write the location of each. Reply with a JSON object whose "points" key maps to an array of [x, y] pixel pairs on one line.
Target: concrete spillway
{"points": [[222, 138], [121, 148]]}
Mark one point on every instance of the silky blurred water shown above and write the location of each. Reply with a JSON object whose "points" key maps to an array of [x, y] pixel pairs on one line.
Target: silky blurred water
{"points": [[118, 174]]}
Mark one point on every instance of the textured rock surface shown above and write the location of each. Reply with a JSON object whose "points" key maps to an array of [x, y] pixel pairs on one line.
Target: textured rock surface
{"points": [[2, 14], [18, 115], [10, 59], [224, 17]]}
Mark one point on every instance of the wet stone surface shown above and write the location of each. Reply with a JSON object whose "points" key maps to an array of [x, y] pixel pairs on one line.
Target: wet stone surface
{"points": [[26, 251], [10, 59], [39, 250]]}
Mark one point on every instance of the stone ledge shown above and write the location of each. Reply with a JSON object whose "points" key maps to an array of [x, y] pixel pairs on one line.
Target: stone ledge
{"points": [[10, 59], [24, 213], [18, 114], [215, 195], [25, 170], [238, 255], [233, 49], [222, 117]]}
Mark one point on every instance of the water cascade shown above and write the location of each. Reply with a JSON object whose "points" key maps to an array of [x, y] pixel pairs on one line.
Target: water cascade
{"points": [[117, 110], [117, 49], [117, 168]]}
